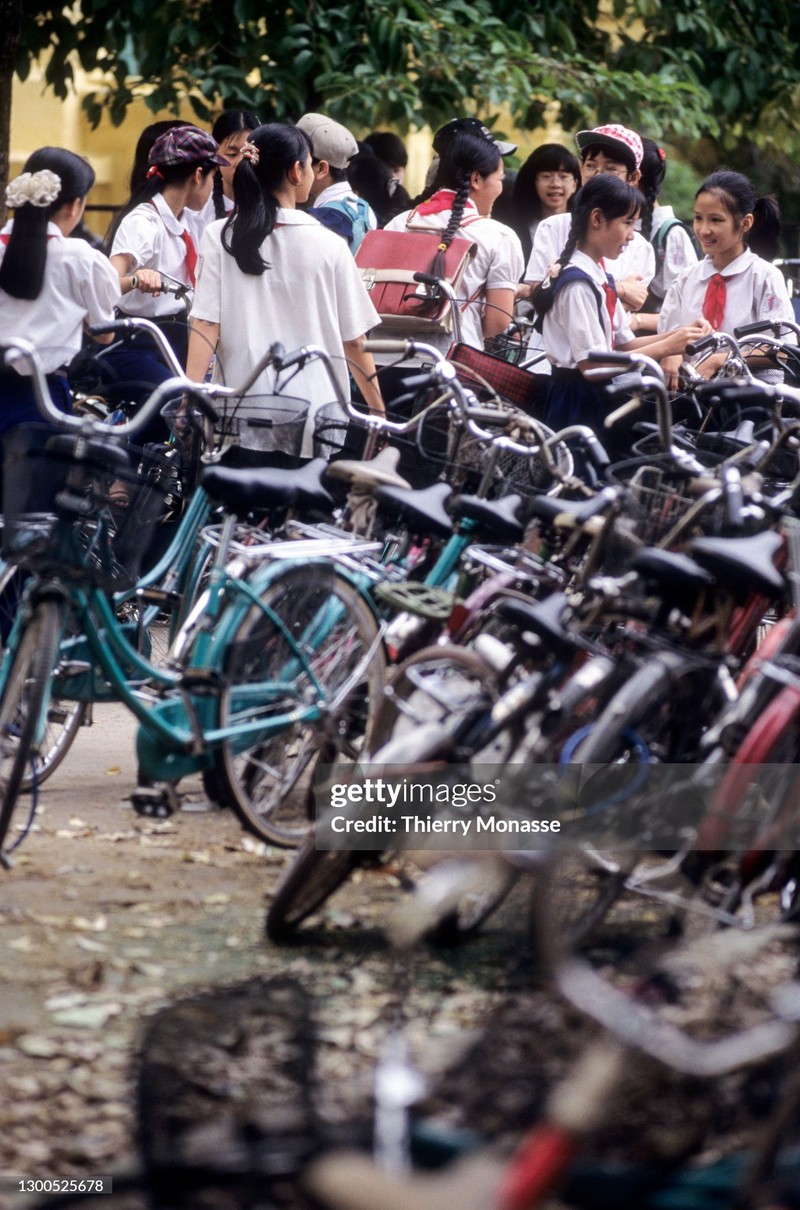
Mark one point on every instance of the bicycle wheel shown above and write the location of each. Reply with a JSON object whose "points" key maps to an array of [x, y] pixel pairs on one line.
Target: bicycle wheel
{"points": [[21, 706], [312, 877], [435, 685], [318, 635], [64, 718]]}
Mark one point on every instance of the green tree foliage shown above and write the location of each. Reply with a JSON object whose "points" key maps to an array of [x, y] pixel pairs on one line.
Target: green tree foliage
{"points": [[365, 61]]}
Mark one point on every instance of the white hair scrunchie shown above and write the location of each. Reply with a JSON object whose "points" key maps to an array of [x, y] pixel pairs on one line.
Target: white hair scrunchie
{"points": [[33, 188]]}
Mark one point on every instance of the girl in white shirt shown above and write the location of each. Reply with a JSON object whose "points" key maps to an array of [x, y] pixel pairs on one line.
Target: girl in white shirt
{"points": [[581, 313], [468, 182], [231, 131], [51, 287], [735, 283], [273, 273]]}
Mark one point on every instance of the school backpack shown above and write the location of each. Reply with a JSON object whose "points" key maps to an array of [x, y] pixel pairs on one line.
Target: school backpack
{"points": [[659, 241], [356, 209], [569, 274]]}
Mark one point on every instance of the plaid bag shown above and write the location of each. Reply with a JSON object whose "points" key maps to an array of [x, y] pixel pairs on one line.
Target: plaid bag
{"points": [[488, 376]]}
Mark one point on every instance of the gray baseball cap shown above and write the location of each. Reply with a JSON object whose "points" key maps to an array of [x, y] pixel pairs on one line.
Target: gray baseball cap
{"points": [[329, 140]]}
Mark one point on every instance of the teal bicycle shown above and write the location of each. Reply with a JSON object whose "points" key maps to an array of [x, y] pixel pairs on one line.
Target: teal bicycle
{"points": [[67, 640]]}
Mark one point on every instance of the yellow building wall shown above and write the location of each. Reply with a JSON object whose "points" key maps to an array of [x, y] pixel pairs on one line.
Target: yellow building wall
{"points": [[40, 119]]}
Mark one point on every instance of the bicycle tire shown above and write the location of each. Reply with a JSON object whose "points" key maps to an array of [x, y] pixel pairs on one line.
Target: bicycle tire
{"points": [[64, 718], [28, 682], [309, 881], [270, 785]]}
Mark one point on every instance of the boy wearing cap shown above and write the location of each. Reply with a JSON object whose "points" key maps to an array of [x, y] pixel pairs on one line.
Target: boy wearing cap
{"points": [[616, 150], [332, 148]]}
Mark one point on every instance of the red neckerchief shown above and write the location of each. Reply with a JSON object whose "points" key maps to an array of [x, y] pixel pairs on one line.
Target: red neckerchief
{"points": [[714, 301], [442, 200], [610, 291]]}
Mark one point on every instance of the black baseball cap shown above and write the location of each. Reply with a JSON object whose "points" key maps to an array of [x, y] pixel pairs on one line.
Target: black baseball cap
{"points": [[444, 137]]}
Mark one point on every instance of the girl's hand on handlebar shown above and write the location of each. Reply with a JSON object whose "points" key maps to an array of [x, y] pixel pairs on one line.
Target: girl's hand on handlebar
{"points": [[671, 365], [147, 281]]}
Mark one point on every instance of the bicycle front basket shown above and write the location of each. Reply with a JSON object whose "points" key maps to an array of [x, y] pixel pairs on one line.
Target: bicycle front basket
{"points": [[265, 423], [81, 507]]}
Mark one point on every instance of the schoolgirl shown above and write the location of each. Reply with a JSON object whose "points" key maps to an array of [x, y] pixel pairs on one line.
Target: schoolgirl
{"points": [[612, 150], [581, 312], [271, 272], [545, 185], [735, 283], [51, 287], [150, 235], [468, 181]]}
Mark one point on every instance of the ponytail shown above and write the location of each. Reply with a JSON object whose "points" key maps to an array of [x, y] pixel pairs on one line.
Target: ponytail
{"points": [[654, 169], [52, 178], [278, 147]]}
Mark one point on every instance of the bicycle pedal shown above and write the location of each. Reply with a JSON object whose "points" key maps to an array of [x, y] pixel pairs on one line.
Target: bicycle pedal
{"points": [[154, 802], [73, 668]]}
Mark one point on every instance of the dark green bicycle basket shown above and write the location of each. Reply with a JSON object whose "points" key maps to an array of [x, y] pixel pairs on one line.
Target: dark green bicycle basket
{"points": [[82, 508]]}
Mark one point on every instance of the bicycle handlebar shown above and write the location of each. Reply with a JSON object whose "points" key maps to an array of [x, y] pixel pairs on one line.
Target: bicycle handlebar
{"points": [[132, 324], [17, 350]]}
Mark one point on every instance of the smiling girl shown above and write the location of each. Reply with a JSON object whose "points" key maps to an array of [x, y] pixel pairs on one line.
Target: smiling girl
{"points": [[735, 283], [579, 308]]}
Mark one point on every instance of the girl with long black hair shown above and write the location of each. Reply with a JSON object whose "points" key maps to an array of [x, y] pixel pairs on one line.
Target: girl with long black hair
{"points": [[51, 287], [270, 272], [468, 181]]}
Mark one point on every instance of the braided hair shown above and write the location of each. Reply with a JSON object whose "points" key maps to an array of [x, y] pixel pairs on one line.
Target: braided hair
{"points": [[464, 154], [614, 198], [653, 169], [738, 196], [280, 146]]}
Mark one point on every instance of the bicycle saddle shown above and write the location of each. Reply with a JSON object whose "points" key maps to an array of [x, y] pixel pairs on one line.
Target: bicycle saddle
{"points": [[674, 570], [743, 563], [425, 507], [575, 512], [244, 490], [378, 471], [497, 518], [546, 619]]}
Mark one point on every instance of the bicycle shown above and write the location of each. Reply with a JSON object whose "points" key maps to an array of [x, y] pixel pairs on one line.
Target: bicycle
{"points": [[69, 551]]}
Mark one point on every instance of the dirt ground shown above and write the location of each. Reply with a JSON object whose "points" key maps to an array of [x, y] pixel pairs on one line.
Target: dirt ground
{"points": [[108, 917]]}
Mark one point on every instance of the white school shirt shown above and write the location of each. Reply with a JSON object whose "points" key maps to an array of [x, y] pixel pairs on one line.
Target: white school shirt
{"points": [[497, 264], [551, 236], [679, 251], [755, 289], [79, 286], [196, 221], [312, 293], [152, 235], [575, 326]]}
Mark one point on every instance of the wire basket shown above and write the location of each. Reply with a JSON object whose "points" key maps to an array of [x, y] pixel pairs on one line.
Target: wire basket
{"points": [[659, 500], [282, 424], [476, 464], [85, 508]]}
